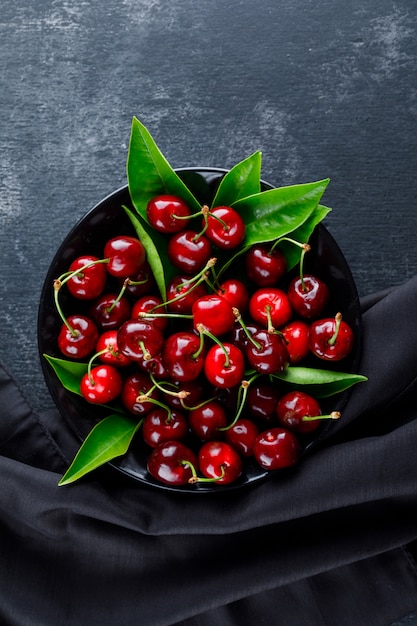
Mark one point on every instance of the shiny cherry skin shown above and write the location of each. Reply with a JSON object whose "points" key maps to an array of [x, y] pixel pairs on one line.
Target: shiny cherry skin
{"points": [[181, 356], [218, 372], [170, 463], [219, 461], [295, 405], [188, 251], [139, 340], [205, 420], [181, 294], [265, 267], [308, 296], [126, 256], [269, 355], [112, 355], [331, 339], [225, 227], [135, 386], [270, 305], [154, 366], [236, 292], [239, 337], [109, 311], [296, 336], [89, 280], [241, 436], [163, 212], [276, 448], [81, 341], [262, 400], [101, 385], [145, 305], [160, 425], [214, 314]]}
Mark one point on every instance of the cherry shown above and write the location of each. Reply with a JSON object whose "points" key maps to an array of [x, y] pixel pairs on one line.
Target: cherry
{"points": [[214, 314], [219, 462], [110, 310], [172, 463], [295, 405], [206, 419], [89, 278], [139, 340], [262, 400], [242, 435], [270, 307], [331, 339], [267, 353], [296, 334], [225, 227], [224, 365], [78, 337], [146, 304], [194, 390], [188, 251], [240, 336], [108, 350], [141, 282], [126, 256], [136, 389], [181, 294], [154, 366], [235, 292], [101, 384], [308, 296], [182, 356], [163, 213], [276, 448], [162, 425], [265, 266]]}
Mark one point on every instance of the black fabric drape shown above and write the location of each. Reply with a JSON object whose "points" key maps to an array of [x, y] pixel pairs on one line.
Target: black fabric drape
{"points": [[330, 543]]}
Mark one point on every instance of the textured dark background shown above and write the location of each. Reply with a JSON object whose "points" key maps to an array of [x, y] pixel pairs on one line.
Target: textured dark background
{"points": [[324, 89]]}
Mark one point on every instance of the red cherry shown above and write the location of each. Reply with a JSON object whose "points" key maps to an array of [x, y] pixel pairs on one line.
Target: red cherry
{"points": [[101, 385], [182, 356], [331, 339], [308, 296], [270, 305], [296, 334], [161, 425], [171, 463], [90, 280], [136, 386], [276, 448], [265, 267], [155, 366], [221, 370], [126, 256], [181, 294], [112, 355], [241, 436], [295, 405], [219, 461], [163, 213], [205, 420], [81, 340], [235, 292], [262, 400], [225, 227], [268, 355], [146, 304], [109, 311], [214, 314], [194, 390], [189, 251], [139, 340]]}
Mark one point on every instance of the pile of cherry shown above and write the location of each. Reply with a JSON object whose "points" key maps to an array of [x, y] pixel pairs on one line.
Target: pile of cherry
{"points": [[199, 368]]}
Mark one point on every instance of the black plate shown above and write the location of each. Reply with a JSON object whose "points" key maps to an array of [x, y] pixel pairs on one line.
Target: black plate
{"points": [[107, 219]]}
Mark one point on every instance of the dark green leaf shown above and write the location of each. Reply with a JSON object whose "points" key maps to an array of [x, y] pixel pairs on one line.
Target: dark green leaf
{"points": [[320, 382], [108, 440], [241, 181], [69, 373], [303, 234], [149, 174]]}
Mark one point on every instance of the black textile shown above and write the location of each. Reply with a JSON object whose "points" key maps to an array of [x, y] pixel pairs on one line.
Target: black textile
{"points": [[330, 543]]}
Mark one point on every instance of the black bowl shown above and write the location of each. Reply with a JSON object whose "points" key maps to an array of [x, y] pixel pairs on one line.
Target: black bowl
{"points": [[107, 219]]}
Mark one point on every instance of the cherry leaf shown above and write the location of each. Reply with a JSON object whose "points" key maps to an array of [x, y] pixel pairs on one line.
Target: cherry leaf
{"points": [[108, 440], [69, 373], [302, 234], [241, 181], [320, 382]]}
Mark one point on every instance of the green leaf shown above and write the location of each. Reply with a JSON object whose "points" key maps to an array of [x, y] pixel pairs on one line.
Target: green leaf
{"points": [[108, 440], [69, 373], [149, 174], [320, 382], [303, 234], [241, 181], [276, 212]]}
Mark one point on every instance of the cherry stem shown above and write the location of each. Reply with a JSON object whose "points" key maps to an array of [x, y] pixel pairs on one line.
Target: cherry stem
{"points": [[198, 479], [203, 331], [333, 338], [243, 392], [146, 354], [93, 358], [239, 319], [146, 398], [271, 328], [181, 394], [334, 415], [193, 282], [119, 297]]}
